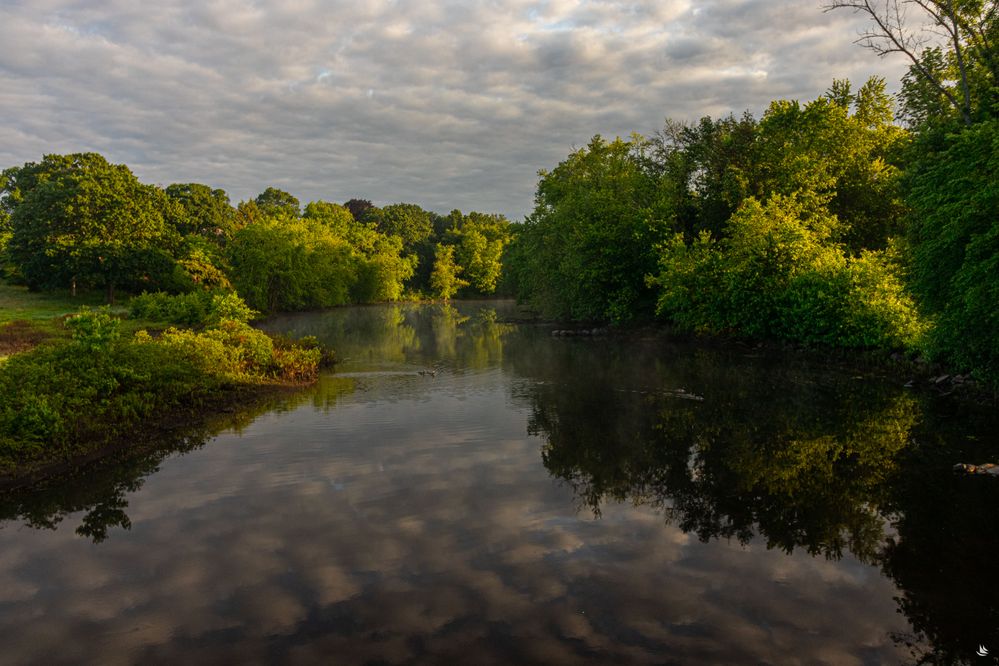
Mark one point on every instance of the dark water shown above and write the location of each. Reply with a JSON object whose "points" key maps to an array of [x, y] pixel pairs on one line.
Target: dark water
{"points": [[537, 500]]}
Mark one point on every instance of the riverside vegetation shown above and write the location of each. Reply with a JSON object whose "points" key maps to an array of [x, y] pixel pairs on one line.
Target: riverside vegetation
{"points": [[854, 220], [79, 225]]}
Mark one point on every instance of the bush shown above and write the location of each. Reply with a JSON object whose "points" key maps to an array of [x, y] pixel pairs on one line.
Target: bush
{"points": [[55, 400], [197, 308], [778, 276]]}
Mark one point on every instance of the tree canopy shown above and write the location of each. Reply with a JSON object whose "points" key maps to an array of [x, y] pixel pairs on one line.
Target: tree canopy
{"points": [[79, 219]]}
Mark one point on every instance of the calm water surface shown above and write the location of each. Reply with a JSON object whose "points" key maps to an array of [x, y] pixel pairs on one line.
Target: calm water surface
{"points": [[534, 500]]}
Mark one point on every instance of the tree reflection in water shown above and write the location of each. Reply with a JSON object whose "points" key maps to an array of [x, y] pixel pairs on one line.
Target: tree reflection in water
{"points": [[796, 456]]}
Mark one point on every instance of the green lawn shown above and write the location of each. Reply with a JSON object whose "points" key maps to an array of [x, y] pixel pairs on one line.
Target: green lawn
{"points": [[19, 303], [38, 313]]}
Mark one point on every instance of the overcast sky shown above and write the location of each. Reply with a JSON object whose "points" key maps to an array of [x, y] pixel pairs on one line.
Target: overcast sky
{"points": [[445, 104]]}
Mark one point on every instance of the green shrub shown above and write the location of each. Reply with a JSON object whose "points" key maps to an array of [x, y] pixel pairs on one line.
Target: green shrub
{"points": [[93, 330], [196, 308], [56, 399], [778, 276]]}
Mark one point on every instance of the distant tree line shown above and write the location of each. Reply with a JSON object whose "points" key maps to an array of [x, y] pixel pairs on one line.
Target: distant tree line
{"points": [[79, 222]]}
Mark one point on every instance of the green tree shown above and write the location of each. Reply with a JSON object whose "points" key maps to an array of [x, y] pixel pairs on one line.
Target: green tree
{"points": [[445, 279], [204, 211], [954, 245], [407, 221], [479, 242], [777, 274], [275, 202], [587, 247], [833, 160], [79, 219], [382, 267], [288, 265]]}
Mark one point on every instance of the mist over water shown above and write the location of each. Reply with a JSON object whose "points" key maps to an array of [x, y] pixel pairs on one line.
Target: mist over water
{"points": [[466, 490]]}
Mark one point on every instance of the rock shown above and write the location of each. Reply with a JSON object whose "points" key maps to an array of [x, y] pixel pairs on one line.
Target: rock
{"points": [[990, 469]]}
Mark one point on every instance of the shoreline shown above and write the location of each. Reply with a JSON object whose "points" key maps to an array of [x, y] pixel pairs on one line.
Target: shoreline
{"points": [[150, 435]]}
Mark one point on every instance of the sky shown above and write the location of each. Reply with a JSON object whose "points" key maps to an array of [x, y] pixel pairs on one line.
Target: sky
{"points": [[447, 104]]}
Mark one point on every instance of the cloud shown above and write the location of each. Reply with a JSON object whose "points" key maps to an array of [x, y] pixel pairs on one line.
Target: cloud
{"points": [[446, 104]]}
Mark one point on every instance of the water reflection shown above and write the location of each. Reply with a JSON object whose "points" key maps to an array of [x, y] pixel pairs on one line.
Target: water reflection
{"points": [[828, 462], [99, 491], [390, 516]]}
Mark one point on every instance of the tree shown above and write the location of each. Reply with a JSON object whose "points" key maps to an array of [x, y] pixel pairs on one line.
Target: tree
{"points": [[833, 160], [382, 268], [287, 265], [479, 241], [965, 74], [407, 221], [205, 211], [275, 202], [79, 219], [444, 279], [954, 246], [358, 207], [589, 243]]}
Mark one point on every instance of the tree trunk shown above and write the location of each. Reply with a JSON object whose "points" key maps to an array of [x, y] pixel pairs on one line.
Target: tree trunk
{"points": [[72, 287], [966, 93], [110, 293]]}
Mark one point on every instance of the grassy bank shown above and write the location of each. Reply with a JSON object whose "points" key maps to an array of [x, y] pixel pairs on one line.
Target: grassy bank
{"points": [[94, 381]]}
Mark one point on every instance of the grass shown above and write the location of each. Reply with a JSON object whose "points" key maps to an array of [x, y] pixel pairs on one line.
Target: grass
{"points": [[29, 318], [19, 304]]}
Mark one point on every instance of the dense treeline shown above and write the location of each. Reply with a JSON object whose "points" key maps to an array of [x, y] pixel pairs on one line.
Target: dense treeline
{"points": [[855, 219], [77, 220]]}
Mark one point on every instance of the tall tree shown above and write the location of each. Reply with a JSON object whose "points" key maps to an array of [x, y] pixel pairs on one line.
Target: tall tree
{"points": [[277, 203], [78, 218], [951, 46], [446, 279], [205, 211], [358, 207], [587, 247]]}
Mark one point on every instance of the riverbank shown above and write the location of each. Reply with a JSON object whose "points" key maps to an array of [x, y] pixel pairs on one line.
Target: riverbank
{"points": [[175, 430], [909, 369], [96, 383]]}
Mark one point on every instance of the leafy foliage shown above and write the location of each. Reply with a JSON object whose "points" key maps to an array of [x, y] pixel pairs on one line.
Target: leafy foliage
{"points": [[586, 248], [445, 280], [198, 308], [776, 275], [61, 399], [203, 211], [954, 245], [79, 218]]}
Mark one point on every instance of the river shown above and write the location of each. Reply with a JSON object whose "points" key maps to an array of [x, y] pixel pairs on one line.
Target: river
{"points": [[470, 490]]}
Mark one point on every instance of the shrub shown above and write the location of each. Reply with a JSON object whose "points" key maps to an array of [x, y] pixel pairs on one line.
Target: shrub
{"points": [[56, 399], [94, 330], [778, 276], [197, 308]]}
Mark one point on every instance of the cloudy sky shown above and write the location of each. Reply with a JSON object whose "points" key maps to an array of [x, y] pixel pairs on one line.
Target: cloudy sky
{"points": [[441, 103]]}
